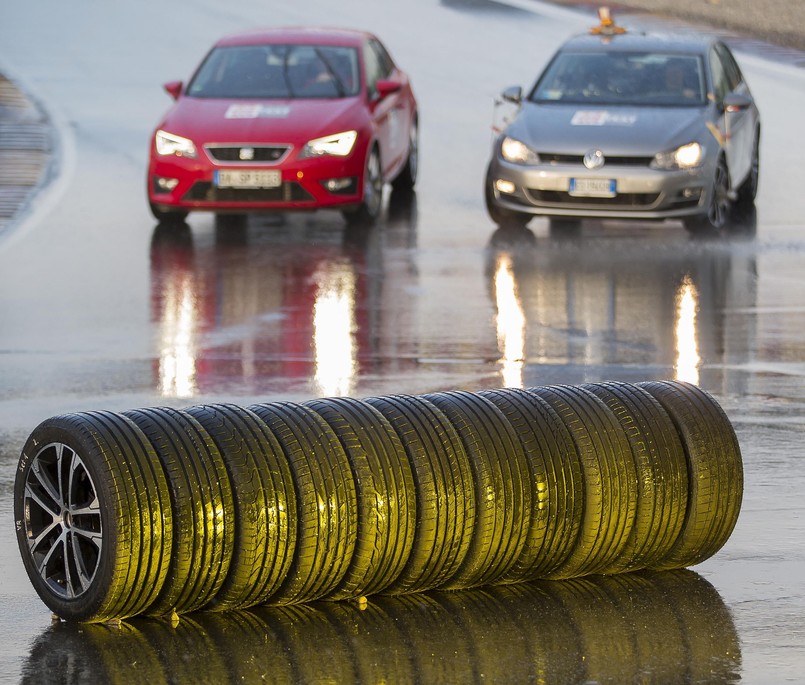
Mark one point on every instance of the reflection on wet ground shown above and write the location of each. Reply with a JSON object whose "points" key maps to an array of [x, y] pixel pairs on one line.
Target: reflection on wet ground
{"points": [[661, 627], [264, 308], [602, 301], [255, 305]]}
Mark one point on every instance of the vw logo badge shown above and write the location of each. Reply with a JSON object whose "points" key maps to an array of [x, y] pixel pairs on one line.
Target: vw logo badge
{"points": [[594, 159], [246, 153]]}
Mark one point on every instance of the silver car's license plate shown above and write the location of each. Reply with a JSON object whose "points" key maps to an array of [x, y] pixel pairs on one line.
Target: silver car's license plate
{"points": [[592, 187], [243, 178]]}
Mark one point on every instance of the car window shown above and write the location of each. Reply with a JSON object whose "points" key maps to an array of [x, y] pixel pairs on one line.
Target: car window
{"points": [[277, 71], [378, 64], [731, 69], [721, 83], [622, 78]]}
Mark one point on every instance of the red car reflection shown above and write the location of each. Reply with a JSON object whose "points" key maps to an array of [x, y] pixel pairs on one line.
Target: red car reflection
{"points": [[286, 119]]}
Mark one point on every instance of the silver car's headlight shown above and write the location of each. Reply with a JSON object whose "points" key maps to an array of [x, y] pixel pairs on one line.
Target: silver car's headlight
{"points": [[687, 156], [169, 144], [517, 152], [338, 144]]}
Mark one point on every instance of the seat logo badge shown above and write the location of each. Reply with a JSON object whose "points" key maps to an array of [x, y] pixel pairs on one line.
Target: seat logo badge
{"points": [[246, 153], [594, 159]]}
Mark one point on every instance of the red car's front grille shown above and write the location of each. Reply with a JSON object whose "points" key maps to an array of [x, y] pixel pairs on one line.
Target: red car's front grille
{"points": [[248, 154], [290, 191]]}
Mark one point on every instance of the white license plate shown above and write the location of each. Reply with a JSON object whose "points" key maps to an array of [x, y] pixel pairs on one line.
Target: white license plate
{"points": [[592, 187], [244, 178]]}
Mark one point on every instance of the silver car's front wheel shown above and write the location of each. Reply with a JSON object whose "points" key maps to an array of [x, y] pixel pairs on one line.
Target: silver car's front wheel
{"points": [[718, 207]]}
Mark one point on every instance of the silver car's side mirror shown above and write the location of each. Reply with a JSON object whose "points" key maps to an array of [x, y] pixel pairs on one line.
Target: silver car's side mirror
{"points": [[737, 102], [514, 94]]}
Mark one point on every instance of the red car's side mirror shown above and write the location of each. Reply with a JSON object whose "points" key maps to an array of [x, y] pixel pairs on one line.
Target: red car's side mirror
{"points": [[174, 89], [386, 87]]}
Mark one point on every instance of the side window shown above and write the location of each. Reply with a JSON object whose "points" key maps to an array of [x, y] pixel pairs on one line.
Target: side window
{"points": [[733, 72], [721, 84], [386, 63], [374, 69]]}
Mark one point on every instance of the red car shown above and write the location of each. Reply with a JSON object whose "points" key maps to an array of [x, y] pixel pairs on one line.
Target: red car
{"points": [[286, 119]]}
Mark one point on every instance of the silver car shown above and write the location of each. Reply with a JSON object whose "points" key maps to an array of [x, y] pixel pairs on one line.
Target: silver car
{"points": [[625, 125]]}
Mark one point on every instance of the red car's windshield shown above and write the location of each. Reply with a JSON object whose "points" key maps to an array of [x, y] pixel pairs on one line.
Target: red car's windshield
{"points": [[278, 71], [623, 78]]}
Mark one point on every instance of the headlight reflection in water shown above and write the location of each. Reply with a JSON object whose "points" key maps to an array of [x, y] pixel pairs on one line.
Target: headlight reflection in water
{"points": [[334, 329], [688, 360], [510, 323]]}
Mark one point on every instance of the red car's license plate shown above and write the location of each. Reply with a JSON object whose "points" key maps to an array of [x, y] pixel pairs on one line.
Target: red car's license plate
{"points": [[242, 178]]}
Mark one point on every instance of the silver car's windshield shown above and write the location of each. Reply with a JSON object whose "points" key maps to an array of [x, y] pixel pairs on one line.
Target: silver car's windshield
{"points": [[623, 78], [278, 71]]}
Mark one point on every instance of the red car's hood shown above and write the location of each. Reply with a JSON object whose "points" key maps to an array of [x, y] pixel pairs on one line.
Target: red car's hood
{"points": [[206, 120]]}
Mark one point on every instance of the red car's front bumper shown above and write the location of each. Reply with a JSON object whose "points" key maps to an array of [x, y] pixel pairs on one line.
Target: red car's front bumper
{"points": [[184, 184]]}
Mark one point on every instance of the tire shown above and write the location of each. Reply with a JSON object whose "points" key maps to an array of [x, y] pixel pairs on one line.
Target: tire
{"points": [[715, 471], [265, 504], [718, 208], [327, 535], [202, 504], [406, 180], [503, 487], [93, 516], [444, 491], [557, 483], [609, 474], [747, 192], [661, 473], [386, 496], [500, 215], [167, 216], [371, 203]]}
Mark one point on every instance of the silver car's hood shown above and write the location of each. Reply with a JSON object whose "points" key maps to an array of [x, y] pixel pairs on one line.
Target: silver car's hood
{"points": [[619, 130]]}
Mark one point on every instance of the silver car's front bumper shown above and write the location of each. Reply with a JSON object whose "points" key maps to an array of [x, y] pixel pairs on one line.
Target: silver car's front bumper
{"points": [[640, 191]]}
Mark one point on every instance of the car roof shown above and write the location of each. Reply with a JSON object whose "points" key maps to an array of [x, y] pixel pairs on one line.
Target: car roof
{"points": [[297, 35], [690, 43]]}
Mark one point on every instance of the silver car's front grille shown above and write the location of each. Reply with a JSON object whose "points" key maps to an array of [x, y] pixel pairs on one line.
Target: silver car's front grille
{"points": [[555, 198], [553, 158], [247, 154]]}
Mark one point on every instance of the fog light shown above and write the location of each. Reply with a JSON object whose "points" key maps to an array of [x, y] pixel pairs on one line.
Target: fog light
{"points": [[341, 186], [691, 193], [165, 185], [504, 186]]}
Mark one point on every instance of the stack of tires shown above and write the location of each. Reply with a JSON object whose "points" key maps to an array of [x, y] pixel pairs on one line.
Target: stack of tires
{"points": [[219, 506]]}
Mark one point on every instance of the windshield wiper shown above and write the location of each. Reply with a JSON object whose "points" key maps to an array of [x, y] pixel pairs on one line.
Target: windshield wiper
{"points": [[339, 84]]}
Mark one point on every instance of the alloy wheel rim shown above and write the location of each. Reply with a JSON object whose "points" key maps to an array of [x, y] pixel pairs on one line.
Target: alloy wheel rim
{"points": [[62, 521], [413, 155], [373, 186], [720, 203]]}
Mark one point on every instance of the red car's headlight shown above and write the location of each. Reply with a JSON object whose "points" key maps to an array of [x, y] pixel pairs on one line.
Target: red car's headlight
{"points": [[168, 144], [338, 144]]}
